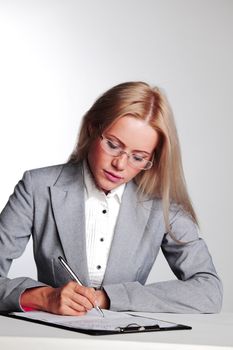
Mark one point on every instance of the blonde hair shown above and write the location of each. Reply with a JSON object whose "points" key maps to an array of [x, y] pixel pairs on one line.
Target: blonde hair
{"points": [[165, 179]]}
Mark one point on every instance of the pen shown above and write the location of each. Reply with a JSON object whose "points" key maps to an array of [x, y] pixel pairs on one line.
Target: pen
{"points": [[75, 277]]}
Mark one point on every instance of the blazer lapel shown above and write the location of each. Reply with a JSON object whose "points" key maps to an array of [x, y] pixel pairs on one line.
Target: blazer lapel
{"points": [[67, 197], [129, 230]]}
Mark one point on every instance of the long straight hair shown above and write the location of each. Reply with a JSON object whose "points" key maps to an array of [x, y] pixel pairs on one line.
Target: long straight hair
{"points": [[165, 179]]}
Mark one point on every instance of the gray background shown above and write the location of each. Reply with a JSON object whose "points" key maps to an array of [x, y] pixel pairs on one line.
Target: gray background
{"points": [[56, 57]]}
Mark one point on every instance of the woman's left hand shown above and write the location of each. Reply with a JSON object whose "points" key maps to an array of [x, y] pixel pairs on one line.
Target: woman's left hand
{"points": [[102, 299]]}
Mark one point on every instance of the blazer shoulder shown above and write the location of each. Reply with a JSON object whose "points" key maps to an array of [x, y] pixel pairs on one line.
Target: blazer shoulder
{"points": [[49, 175]]}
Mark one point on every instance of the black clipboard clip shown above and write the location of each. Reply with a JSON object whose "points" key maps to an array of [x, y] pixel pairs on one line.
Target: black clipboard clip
{"points": [[134, 327]]}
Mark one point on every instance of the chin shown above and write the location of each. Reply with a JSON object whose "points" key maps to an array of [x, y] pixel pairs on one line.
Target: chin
{"points": [[103, 187], [106, 188]]}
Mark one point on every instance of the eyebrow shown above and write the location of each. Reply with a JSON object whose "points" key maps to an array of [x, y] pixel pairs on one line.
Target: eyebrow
{"points": [[122, 143]]}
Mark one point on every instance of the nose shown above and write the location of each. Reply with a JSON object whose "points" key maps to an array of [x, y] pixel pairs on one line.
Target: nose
{"points": [[120, 162]]}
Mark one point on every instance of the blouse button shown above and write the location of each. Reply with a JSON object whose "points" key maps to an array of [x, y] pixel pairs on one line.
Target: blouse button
{"points": [[98, 267], [101, 239], [104, 211]]}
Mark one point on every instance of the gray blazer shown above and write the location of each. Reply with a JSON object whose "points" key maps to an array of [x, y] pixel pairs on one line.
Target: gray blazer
{"points": [[48, 204]]}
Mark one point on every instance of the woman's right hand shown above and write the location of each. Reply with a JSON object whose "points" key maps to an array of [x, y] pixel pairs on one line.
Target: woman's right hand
{"points": [[71, 299]]}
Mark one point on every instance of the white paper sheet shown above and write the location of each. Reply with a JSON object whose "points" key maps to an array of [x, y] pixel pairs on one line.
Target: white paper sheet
{"points": [[93, 321]]}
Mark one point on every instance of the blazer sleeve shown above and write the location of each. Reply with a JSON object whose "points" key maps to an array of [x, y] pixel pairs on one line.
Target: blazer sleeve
{"points": [[197, 288], [16, 225]]}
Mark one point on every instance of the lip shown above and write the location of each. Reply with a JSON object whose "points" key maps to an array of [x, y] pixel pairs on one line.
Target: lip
{"points": [[112, 177]]}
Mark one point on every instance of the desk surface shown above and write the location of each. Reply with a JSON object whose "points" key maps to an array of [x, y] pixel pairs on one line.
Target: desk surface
{"points": [[208, 332]]}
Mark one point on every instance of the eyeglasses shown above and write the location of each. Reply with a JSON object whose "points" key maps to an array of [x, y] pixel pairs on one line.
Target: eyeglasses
{"points": [[112, 148]]}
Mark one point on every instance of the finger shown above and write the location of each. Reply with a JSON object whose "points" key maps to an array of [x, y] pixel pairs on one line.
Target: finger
{"points": [[71, 285], [83, 299], [69, 310], [81, 295], [87, 293], [77, 306], [67, 297], [66, 306], [74, 301]]}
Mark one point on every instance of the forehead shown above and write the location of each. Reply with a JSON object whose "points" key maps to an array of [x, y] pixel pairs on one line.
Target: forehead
{"points": [[134, 133]]}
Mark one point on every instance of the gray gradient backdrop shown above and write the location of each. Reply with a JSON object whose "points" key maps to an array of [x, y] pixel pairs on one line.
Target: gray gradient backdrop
{"points": [[57, 56]]}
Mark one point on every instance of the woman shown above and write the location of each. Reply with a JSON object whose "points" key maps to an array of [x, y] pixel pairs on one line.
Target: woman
{"points": [[108, 211]]}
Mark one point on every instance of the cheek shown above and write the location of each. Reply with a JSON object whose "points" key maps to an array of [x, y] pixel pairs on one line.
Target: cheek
{"points": [[95, 155], [131, 173]]}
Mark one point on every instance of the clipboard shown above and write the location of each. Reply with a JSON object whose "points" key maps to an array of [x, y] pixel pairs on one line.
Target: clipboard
{"points": [[130, 328]]}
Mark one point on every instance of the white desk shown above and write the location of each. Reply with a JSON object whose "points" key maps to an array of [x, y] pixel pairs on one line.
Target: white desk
{"points": [[209, 332]]}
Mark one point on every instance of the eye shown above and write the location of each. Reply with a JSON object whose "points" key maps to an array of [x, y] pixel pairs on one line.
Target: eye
{"points": [[138, 158], [112, 145]]}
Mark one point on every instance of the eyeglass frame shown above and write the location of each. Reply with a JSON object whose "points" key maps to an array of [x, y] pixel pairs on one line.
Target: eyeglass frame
{"points": [[121, 152]]}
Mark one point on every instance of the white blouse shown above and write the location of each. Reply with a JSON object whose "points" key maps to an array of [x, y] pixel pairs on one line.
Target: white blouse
{"points": [[101, 212]]}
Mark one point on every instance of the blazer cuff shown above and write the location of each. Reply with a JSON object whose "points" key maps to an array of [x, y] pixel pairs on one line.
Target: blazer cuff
{"points": [[118, 296]]}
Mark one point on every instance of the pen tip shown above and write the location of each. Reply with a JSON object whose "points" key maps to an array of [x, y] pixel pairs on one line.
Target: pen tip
{"points": [[100, 311]]}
